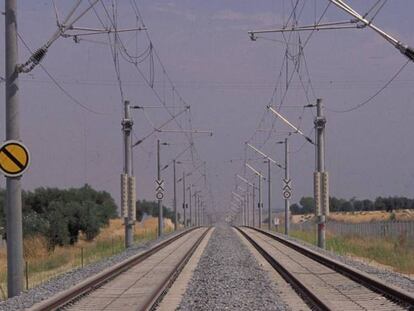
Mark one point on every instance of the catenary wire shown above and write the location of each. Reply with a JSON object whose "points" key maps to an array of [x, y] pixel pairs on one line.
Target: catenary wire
{"points": [[60, 87]]}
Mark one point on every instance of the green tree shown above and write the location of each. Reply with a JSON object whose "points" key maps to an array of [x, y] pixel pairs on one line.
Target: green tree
{"points": [[379, 204], [295, 209], [57, 233], [308, 205], [151, 208], [90, 222], [60, 214]]}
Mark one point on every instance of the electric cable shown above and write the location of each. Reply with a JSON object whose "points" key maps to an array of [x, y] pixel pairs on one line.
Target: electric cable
{"points": [[375, 94], [60, 87]]}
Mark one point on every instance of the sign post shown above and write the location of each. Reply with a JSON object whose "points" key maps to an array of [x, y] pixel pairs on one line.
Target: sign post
{"points": [[287, 187], [159, 192], [14, 161]]}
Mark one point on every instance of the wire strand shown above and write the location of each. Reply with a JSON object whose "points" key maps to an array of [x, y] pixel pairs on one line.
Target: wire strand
{"points": [[60, 87], [375, 94]]}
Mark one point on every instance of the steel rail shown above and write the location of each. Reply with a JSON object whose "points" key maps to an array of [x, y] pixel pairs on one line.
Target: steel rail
{"points": [[90, 284], [391, 292], [169, 280], [308, 296]]}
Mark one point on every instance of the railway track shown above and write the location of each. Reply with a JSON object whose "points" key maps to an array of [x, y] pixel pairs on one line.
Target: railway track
{"points": [[135, 284], [324, 283]]}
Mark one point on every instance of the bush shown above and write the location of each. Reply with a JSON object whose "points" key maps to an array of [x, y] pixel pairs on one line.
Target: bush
{"points": [[151, 208], [59, 215], [306, 205]]}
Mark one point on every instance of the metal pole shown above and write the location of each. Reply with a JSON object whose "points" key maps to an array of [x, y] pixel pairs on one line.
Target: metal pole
{"points": [[287, 212], [269, 195], [175, 195], [200, 206], [244, 208], [197, 210], [15, 261], [189, 198], [160, 216], [185, 216], [127, 124], [243, 211], [260, 205], [247, 206], [320, 121], [253, 203]]}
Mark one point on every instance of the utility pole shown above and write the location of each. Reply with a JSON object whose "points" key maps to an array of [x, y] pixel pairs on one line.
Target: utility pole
{"points": [[160, 216], [253, 203], [244, 209], [245, 199], [127, 180], [321, 191], [201, 213], [175, 195], [260, 204], [203, 210], [185, 216], [287, 212], [243, 212], [269, 195], [197, 209], [13, 185], [189, 198], [200, 206], [247, 206]]}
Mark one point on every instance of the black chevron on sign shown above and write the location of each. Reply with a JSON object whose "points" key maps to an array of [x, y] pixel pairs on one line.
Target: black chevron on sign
{"points": [[160, 185]]}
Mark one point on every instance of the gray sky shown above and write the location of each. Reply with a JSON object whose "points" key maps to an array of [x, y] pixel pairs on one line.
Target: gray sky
{"points": [[228, 80]]}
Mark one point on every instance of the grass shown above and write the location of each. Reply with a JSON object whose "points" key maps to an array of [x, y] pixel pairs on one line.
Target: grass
{"points": [[43, 265], [395, 253], [361, 216]]}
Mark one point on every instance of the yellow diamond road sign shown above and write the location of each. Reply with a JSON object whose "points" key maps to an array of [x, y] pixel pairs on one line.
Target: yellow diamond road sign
{"points": [[14, 158]]}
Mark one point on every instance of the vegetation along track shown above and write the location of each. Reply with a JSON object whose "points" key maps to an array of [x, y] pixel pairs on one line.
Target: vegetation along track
{"points": [[135, 284], [324, 283]]}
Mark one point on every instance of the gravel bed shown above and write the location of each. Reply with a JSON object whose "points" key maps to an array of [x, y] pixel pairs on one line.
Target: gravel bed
{"points": [[71, 278], [228, 277], [390, 277]]}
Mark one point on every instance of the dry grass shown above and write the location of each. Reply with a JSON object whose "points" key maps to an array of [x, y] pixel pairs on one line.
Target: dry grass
{"points": [[359, 217], [297, 219], [43, 265], [372, 216], [395, 254]]}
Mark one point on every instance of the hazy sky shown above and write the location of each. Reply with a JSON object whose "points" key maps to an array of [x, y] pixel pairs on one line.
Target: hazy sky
{"points": [[228, 80]]}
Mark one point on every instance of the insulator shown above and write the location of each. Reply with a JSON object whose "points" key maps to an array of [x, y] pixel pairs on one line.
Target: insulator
{"points": [[37, 56]]}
